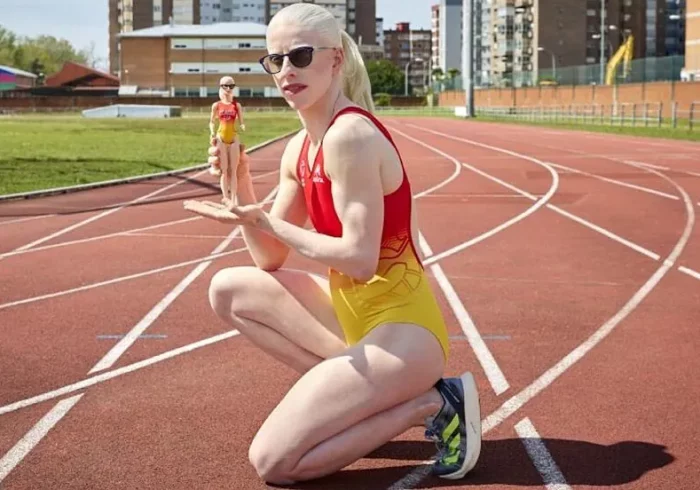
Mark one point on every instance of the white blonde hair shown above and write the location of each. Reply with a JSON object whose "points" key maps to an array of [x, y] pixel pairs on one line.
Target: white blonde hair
{"points": [[356, 84]]}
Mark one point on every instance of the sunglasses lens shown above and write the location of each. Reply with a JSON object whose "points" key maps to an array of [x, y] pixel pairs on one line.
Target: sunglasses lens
{"points": [[301, 57], [273, 63]]}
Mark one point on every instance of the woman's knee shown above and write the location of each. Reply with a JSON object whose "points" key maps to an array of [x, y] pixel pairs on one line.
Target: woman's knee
{"points": [[230, 287], [269, 463]]}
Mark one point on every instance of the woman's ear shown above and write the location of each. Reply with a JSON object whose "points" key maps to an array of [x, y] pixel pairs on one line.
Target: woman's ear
{"points": [[338, 59]]}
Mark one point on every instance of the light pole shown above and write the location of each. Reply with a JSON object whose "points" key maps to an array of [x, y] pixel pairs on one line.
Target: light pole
{"points": [[467, 54], [602, 41], [554, 61], [405, 79], [405, 76]]}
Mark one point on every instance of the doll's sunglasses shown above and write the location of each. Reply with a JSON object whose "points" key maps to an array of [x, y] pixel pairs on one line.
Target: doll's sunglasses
{"points": [[229, 85], [299, 57]]}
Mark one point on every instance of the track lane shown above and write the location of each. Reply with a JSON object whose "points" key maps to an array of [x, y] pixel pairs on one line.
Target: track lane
{"points": [[503, 444]]}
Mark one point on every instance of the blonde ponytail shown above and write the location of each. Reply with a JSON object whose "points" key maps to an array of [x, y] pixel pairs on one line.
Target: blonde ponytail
{"points": [[356, 84]]}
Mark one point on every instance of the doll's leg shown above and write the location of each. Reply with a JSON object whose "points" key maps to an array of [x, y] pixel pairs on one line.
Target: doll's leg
{"points": [[225, 181], [233, 158]]}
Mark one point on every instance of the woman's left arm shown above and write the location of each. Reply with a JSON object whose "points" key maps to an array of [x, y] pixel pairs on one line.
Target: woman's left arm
{"points": [[358, 197]]}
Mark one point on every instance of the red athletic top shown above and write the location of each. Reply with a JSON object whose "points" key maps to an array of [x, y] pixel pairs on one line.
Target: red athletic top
{"points": [[319, 199], [226, 112]]}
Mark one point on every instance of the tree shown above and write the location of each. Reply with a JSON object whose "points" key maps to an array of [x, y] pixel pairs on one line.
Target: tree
{"points": [[385, 77], [42, 54]]}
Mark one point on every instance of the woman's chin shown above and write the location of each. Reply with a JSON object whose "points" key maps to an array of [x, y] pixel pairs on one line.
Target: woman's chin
{"points": [[298, 102]]}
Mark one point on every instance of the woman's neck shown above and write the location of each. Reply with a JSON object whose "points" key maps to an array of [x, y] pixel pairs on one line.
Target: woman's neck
{"points": [[317, 118]]}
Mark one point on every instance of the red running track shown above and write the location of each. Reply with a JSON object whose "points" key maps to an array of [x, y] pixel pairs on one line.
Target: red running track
{"points": [[567, 265]]}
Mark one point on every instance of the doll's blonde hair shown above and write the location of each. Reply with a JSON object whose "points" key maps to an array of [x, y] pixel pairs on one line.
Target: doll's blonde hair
{"points": [[222, 93]]}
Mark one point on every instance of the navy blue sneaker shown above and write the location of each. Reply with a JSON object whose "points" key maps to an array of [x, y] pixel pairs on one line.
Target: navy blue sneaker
{"points": [[456, 429]]}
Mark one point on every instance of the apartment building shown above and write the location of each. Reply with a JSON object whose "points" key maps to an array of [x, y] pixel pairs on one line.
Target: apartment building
{"points": [[691, 71], [357, 17], [232, 11], [411, 51], [516, 39], [189, 60], [379, 31]]}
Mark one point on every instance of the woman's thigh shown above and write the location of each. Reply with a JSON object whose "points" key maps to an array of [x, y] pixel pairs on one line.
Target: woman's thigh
{"points": [[294, 303], [393, 364]]}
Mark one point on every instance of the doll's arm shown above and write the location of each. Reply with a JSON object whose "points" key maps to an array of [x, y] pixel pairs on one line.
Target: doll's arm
{"points": [[240, 115]]}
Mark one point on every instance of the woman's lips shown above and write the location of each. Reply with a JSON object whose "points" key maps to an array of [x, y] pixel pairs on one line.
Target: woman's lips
{"points": [[293, 88]]}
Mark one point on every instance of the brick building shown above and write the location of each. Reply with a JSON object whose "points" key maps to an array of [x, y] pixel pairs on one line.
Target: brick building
{"points": [[411, 51], [356, 16], [190, 60]]}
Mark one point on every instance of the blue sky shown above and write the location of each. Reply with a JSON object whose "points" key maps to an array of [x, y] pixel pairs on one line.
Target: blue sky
{"points": [[58, 18]]}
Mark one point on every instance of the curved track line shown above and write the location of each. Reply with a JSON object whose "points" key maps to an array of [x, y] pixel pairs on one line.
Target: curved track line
{"points": [[99, 237], [123, 345], [516, 402], [413, 478], [607, 233], [101, 215], [119, 233], [493, 372], [119, 279], [71, 388], [621, 183], [21, 220]]}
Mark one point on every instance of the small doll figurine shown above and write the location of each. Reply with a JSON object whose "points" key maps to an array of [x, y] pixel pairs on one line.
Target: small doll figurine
{"points": [[226, 111]]}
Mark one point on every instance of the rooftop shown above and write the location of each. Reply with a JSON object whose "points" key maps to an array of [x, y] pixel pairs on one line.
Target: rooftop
{"points": [[17, 71], [201, 30]]}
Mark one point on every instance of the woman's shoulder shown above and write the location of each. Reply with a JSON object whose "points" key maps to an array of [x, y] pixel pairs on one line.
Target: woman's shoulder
{"points": [[351, 130]]}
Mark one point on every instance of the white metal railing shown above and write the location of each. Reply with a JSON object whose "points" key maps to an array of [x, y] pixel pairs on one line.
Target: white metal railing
{"points": [[647, 114]]}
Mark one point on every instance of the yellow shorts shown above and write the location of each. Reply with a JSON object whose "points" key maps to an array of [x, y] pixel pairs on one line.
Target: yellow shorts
{"points": [[399, 292]]}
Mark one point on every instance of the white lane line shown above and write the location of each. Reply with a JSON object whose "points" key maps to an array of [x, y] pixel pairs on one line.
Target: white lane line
{"points": [[119, 233], [616, 182], [541, 457], [116, 352], [538, 204], [488, 362], [547, 378], [690, 272], [607, 233], [24, 446], [413, 478], [116, 280], [655, 167], [22, 220], [107, 375], [100, 237], [101, 215], [172, 235]]}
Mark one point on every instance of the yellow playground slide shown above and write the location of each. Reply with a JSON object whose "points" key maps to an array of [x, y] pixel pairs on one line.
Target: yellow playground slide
{"points": [[625, 52]]}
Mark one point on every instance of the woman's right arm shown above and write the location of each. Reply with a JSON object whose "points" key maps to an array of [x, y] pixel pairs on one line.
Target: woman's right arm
{"points": [[267, 252]]}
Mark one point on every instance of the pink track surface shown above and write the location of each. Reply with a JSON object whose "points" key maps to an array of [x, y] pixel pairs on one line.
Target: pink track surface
{"points": [[585, 291]]}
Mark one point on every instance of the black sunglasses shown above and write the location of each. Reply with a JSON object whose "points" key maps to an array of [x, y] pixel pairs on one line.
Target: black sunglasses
{"points": [[299, 57], [231, 86]]}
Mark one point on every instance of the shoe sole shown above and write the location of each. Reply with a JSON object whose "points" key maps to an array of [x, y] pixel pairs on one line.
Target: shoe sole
{"points": [[472, 417]]}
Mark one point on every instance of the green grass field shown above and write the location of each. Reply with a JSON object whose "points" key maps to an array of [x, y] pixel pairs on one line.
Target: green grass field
{"points": [[46, 151]]}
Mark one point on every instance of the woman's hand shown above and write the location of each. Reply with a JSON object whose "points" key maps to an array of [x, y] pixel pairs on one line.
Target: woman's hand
{"points": [[243, 169], [250, 215]]}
